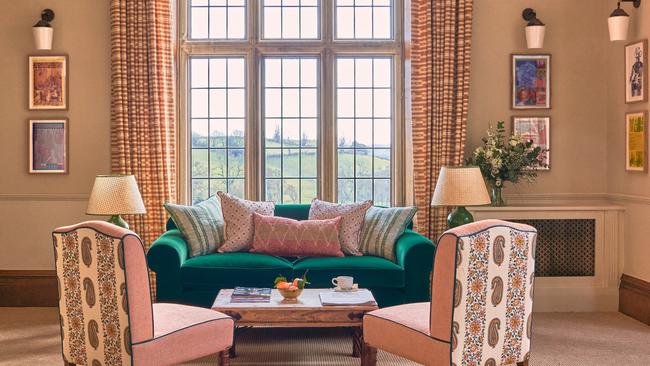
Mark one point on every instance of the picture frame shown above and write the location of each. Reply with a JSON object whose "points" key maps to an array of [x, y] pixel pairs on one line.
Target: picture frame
{"points": [[636, 76], [537, 129], [636, 141], [48, 146], [531, 81], [48, 82]]}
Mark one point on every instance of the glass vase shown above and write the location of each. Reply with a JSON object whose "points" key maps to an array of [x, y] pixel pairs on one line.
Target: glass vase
{"points": [[497, 197]]}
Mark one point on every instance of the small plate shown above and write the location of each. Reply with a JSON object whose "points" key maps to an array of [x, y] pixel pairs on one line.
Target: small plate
{"points": [[354, 288]]}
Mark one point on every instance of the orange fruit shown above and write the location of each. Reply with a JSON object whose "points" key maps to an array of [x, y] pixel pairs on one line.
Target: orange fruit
{"points": [[283, 285], [296, 281]]}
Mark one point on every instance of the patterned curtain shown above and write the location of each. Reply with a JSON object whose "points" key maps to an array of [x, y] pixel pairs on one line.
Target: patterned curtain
{"points": [[143, 136], [441, 37]]}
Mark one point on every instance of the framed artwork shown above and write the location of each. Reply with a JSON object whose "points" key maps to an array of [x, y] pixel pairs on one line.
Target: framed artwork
{"points": [[636, 78], [48, 82], [636, 137], [48, 146], [531, 81], [537, 129]]}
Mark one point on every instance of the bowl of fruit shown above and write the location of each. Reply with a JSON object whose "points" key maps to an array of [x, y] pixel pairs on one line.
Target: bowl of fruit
{"points": [[290, 290]]}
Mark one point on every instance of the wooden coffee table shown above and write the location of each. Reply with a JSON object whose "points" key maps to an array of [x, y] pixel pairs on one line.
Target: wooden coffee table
{"points": [[306, 311]]}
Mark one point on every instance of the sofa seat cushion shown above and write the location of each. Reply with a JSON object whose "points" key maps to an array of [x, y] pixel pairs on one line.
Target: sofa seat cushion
{"points": [[220, 270], [368, 271]]}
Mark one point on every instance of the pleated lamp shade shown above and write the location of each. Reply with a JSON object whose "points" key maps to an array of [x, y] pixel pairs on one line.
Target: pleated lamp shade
{"points": [[460, 186], [115, 195]]}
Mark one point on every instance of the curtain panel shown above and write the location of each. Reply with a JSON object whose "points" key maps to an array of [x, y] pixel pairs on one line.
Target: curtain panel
{"points": [[441, 41], [143, 133]]}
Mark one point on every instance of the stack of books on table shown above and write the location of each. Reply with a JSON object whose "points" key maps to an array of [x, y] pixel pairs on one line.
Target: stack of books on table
{"points": [[358, 297], [250, 295]]}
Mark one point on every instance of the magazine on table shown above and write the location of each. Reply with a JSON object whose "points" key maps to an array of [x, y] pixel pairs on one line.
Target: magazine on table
{"points": [[250, 295], [334, 298]]}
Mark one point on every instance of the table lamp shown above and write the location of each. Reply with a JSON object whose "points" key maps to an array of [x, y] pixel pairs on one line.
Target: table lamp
{"points": [[459, 187], [115, 195]]}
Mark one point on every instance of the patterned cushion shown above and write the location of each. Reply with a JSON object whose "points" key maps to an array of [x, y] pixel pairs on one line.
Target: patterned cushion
{"points": [[381, 229], [286, 237], [202, 225], [352, 216], [238, 215]]}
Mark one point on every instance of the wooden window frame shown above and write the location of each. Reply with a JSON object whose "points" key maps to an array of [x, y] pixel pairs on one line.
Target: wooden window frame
{"points": [[253, 49]]}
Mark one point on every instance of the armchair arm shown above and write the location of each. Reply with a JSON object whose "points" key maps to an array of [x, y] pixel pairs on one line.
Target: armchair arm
{"points": [[415, 254], [165, 257]]}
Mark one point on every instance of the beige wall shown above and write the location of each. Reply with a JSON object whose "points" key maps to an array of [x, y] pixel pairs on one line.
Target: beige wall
{"points": [[32, 205], [587, 125], [628, 188], [575, 39], [586, 119]]}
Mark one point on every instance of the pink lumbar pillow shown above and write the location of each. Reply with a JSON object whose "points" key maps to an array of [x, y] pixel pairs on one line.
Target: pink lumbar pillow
{"points": [[352, 219], [287, 237], [238, 216]]}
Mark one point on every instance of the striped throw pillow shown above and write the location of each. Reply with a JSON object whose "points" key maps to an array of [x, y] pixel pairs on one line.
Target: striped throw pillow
{"points": [[201, 224], [382, 228]]}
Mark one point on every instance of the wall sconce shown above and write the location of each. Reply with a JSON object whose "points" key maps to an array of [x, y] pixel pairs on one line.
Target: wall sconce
{"points": [[619, 21], [535, 29], [43, 31]]}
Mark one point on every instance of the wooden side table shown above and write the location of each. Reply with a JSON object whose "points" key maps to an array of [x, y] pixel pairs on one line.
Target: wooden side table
{"points": [[306, 311]]}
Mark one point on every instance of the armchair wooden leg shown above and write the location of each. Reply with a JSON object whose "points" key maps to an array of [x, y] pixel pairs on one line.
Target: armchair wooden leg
{"points": [[224, 358], [368, 355], [523, 363], [66, 363]]}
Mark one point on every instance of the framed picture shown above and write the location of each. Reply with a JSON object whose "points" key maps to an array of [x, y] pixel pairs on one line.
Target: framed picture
{"points": [[48, 146], [636, 137], [531, 81], [636, 78], [537, 129], [48, 82]]}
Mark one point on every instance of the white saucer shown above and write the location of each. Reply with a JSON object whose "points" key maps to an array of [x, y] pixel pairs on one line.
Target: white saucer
{"points": [[354, 288]]}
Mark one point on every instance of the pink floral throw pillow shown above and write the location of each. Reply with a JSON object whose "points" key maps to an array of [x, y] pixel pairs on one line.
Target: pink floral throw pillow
{"points": [[287, 237], [352, 218], [238, 216]]}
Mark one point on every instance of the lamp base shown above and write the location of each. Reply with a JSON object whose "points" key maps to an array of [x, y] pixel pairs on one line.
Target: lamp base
{"points": [[119, 221], [459, 216]]}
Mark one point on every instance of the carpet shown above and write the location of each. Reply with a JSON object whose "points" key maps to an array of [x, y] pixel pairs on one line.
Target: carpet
{"points": [[30, 336]]}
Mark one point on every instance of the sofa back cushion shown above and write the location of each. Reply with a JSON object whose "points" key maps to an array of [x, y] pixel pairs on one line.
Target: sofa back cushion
{"points": [[202, 225], [352, 216], [281, 236], [293, 211], [238, 215]]}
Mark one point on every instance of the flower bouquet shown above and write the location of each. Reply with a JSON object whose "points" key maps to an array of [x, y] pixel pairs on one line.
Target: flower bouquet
{"points": [[506, 159]]}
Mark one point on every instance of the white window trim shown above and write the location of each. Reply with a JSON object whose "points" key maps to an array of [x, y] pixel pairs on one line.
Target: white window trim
{"points": [[252, 49]]}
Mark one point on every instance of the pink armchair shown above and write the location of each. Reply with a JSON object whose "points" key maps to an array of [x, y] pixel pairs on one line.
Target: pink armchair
{"points": [[106, 313], [482, 301]]}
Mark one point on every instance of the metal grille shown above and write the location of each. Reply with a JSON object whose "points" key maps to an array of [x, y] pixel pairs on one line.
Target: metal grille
{"points": [[565, 247]]}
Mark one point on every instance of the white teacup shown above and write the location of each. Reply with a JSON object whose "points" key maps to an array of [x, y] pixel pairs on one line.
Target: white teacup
{"points": [[343, 282]]}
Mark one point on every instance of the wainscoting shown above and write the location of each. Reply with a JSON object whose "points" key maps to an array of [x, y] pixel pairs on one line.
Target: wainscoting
{"points": [[28, 288], [634, 298]]}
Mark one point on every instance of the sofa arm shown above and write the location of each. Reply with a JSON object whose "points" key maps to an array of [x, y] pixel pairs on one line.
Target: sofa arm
{"points": [[165, 257], [415, 254]]}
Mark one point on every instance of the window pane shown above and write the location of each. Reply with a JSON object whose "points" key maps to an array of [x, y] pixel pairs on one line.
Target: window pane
{"points": [[290, 19], [291, 117], [364, 120], [217, 19], [364, 19], [217, 90]]}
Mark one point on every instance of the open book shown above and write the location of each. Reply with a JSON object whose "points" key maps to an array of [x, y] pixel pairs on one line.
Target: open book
{"points": [[334, 298]]}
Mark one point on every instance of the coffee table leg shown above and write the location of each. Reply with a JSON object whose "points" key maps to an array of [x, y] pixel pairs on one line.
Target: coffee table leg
{"points": [[357, 341], [232, 351], [368, 355]]}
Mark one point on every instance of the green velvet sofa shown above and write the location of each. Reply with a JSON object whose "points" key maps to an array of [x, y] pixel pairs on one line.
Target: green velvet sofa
{"points": [[197, 280]]}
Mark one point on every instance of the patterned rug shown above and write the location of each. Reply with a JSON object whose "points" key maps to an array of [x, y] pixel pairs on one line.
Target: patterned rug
{"points": [[31, 336], [298, 346]]}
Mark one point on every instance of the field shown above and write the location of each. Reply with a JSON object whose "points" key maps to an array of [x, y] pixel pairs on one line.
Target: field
{"points": [[289, 163]]}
